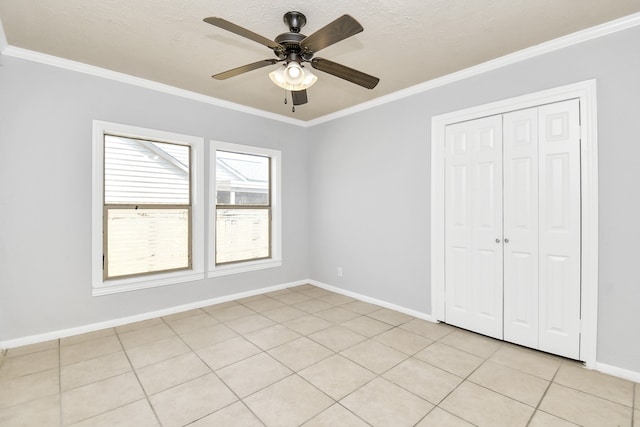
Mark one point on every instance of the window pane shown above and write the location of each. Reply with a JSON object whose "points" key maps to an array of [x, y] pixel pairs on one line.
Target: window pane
{"points": [[242, 234], [242, 179], [144, 172], [146, 240]]}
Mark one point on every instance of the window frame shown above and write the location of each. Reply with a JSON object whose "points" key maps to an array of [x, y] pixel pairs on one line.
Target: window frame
{"points": [[102, 285], [275, 226]]}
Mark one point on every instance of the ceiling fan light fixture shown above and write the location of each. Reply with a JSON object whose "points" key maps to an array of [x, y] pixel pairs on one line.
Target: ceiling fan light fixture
{"points": [[293, 73], [277, 77], [293, 77], [309, 78]]}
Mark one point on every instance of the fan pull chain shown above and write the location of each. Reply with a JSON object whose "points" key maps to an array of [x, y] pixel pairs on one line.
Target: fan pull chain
{"points": [[293, 109]]}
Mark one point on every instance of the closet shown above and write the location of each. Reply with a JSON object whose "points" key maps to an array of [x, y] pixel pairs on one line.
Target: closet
{"points": [[512, 233]]}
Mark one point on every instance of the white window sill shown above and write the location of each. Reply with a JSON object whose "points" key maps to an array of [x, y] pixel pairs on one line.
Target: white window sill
{"points": [[136, 283], [244, 267]]}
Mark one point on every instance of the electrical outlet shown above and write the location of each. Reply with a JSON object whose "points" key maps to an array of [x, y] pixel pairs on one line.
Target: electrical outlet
{"points": [[339, 271]]}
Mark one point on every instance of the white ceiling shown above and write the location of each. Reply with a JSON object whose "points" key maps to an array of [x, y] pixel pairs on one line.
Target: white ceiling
{"points": [[404, 43]]}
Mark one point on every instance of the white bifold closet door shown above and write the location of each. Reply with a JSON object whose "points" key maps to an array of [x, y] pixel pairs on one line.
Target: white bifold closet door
{"points": [[560, 225], [521, 189], [473, 234], [512, 233]]}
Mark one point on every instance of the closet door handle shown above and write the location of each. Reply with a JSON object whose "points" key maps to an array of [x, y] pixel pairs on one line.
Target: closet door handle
{"points": [[497, 240], [506, 240]]}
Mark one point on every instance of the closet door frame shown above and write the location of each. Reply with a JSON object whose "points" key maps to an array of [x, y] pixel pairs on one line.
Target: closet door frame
{"points": [[585, 92]]}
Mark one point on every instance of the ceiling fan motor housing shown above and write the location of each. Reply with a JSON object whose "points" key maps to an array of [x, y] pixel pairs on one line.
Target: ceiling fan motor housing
{"points": [[295, 21], [291, 43], [291, 40]]}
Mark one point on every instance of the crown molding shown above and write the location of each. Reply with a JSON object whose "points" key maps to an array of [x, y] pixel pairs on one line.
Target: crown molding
{"points": [[80, 67], [607, 28], [572, 39]]}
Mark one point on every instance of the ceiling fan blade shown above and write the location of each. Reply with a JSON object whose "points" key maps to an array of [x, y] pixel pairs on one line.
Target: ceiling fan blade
{"points": [[349, 74], [299, 97], [340, 29], [230, 26], [249, 67]]}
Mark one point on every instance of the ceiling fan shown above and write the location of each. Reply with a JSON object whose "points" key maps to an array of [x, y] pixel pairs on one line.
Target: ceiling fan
{"points": [[294, 49]]}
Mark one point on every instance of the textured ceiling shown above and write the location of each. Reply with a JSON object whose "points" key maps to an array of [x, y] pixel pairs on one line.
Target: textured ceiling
{"points": [[404, 43]]}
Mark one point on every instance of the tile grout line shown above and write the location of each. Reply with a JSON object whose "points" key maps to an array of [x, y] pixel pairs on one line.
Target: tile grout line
{"points": [[212, 371], [335, 402], [522, 348], [596, 396], [351, 412], [296, 373], [376, 376], [633, 404], [333, 353], [60, 380], [269, 355], [568, 361], [265, 351], [464, 379], [123, 350], [544, 394], [505, 395], [372, 337], [333, 324], [3, 356], [133, 369], [437, 367], [399, 385], [102, 379]]}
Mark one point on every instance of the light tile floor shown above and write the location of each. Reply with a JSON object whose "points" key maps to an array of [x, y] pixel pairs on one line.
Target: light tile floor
{"points": [[301, 356]]}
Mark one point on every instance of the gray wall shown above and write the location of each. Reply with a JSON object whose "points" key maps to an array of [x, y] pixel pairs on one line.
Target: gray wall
{"points": [[46, 116], [369, 178], [356, 194]]}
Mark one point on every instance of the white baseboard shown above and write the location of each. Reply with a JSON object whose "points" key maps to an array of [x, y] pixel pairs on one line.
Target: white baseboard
{"points": [[618, 372], [368, 299], [63, 333], [600, 367]]}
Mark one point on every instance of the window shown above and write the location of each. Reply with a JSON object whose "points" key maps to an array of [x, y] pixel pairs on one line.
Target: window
{"points": [[148, 217], [147, 206], [243, 207], [245, 211]]}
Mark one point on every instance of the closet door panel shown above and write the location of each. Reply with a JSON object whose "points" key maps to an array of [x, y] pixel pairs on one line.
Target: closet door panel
{"points": [[521, 227], [473, 206], [559, 284], [458, 227]]}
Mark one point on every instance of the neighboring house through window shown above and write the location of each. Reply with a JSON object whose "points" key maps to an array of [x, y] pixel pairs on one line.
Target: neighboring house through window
{"points": [[147, 207], [245, 209], [150, 216]]}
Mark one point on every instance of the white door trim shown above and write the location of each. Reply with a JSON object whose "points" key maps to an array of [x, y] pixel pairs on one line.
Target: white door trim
{"points": [[584, 91]]}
